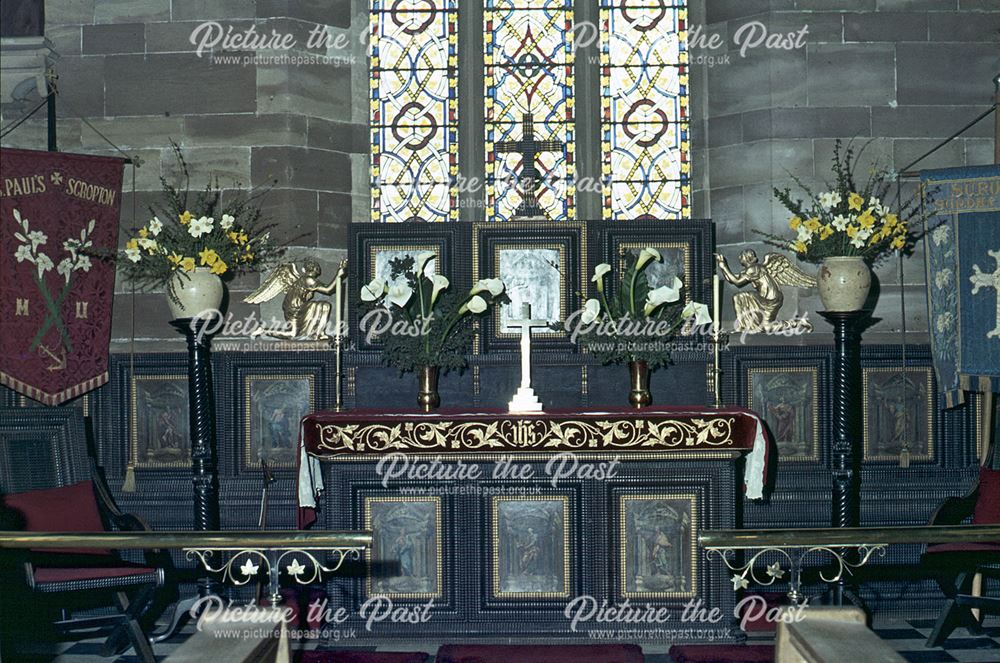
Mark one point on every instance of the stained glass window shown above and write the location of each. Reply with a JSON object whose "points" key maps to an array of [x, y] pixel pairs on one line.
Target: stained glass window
{"points": [[414, 110], [529, 71], [644, 103]]}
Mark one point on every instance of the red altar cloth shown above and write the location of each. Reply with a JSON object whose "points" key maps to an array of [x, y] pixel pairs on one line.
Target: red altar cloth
{"points": [[328, 435]]}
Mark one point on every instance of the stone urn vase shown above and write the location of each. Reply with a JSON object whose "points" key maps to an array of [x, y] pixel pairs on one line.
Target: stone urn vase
{"points": [[192, 293], [428, 397], [638, 394], [843, 283]]}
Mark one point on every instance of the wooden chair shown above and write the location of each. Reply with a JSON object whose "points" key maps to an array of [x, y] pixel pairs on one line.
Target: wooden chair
{"points": [[956, 565], [49, 483]]}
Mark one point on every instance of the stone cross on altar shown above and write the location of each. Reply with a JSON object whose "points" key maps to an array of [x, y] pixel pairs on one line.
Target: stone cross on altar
{"points": [[981, 279], [530, 180], [525, 400]]}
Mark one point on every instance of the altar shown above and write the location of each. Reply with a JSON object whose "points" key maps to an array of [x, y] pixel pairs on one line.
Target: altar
{"points": [[549, 526]]}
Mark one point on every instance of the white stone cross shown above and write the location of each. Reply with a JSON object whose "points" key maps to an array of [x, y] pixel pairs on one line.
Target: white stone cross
{"points": [[525, 400], [981, 279]]}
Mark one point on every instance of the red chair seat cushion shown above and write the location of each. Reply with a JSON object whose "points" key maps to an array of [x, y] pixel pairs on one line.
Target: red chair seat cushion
{"points": [[722, 653], [77, 574], [987, 510], [539, 654], [981, 548], [346, 656], [65, 509]]}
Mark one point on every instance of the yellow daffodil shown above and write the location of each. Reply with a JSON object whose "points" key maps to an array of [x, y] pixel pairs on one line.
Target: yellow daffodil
{"points": [[143, 233], [243, 238], [812, 225], [852, 231], [248, 257], [219, 267], [233, 236], [866, 220], [208, 257], [795, 223], [175, 259], [899, 242], [185, 217], [187, 264], [891, 220], [826, 231], [799, 246], [132, 244], [855, 201]]}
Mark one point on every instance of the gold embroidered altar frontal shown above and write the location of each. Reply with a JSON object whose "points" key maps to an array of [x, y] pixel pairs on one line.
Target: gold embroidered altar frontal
{"points": [[331, 434]]}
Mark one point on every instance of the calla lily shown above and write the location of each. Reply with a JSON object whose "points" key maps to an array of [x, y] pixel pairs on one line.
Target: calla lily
{"points": [[591, 310], [373, 291], [494, 286], [476, 305], [421, 261], [699, 312], [647, 254], [440, 283], [600, 271], [399, 294], [663, 295]]}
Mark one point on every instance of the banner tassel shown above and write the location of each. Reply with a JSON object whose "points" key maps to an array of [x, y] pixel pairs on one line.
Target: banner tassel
{"points": [[128, 486]]}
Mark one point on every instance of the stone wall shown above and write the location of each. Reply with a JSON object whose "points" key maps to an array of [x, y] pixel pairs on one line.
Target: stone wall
{"points": [[909, 72], [905, 73]]}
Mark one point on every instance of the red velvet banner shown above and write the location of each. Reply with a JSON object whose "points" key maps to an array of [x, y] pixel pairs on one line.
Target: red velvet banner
{"points": [[55, 298]]}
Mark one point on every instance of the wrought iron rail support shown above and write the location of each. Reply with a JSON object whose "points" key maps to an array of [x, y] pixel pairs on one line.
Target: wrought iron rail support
{"points": [[204, 461]]}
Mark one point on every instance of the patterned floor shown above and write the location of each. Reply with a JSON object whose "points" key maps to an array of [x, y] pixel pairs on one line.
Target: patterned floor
{"points": [[907, 637]]}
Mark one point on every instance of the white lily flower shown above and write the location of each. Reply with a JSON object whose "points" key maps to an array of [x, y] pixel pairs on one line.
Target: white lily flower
{"points": [[24, 253], [399, 294], [663, 295], [647, 254], [373, 291], [476, 305], [699, 312], [494, 286], [591, 310], [420, 262], [440, 283], [600, 271]]}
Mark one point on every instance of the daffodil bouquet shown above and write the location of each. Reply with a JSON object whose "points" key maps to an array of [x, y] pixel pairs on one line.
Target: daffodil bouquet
{"points": [[629, 321], [419, 319], [194, 230], [847, 220]]}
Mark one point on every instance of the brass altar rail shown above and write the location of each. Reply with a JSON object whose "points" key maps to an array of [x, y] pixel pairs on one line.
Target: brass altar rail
{"points": [[735, 539], [273, 539]]}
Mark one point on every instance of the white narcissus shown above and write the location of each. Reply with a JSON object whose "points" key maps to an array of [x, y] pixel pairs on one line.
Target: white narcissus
{"points": [[665, 294], [227, 222], [476, 305], [440, 283], [829, 200], [494, 286], [647, 254], [200, 226], [373, 290], [399, 294], [591, 310], [699, 312], [155, 226]]}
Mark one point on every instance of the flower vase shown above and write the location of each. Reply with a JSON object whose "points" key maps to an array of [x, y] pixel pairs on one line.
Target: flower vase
{"points": [[428, 398], [843, 283], [190, 294], [639, 395]]}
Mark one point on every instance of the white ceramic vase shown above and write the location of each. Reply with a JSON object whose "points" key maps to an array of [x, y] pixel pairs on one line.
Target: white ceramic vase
{"points": [[194, 292], [843, 283]]}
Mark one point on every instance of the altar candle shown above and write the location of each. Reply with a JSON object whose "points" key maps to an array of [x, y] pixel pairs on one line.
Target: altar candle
{"points": [[338, 314]]}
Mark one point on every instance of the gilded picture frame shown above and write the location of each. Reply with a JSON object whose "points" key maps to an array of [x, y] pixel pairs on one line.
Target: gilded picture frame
{"points": [[405, 560], [898, 405], [530, 547], [273, 406], [658, 548], [159, 429], [787, 398]]}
